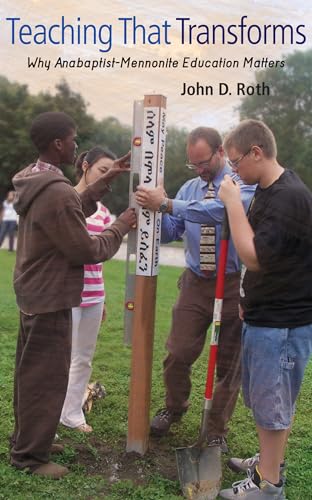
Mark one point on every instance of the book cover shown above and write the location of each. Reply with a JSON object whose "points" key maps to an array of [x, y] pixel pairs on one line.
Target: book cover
{"points": [[203, 57]]}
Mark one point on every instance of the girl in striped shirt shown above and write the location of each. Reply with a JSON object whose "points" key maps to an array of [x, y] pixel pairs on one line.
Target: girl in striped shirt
{"points": [[87, 318]]}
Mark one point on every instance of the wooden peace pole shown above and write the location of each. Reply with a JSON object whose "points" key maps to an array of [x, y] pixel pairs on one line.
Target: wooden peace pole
{"points": [[152, 156]]}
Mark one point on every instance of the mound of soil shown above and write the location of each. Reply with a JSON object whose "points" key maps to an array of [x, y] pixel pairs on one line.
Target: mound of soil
{"points": [[116, 464]]}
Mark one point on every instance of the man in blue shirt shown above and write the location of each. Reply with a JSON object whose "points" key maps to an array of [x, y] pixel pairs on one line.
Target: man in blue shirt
{"points": [[193, 312]]}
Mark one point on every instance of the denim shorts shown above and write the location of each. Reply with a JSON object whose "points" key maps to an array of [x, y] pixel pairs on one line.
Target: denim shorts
{"points": [[273, 364]]}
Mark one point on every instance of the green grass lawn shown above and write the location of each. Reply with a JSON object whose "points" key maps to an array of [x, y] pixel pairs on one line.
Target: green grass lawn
{"points": [[87, 456]]}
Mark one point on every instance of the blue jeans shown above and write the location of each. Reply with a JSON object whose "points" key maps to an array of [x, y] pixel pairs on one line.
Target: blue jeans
{"points": [[8, 228], [273, 364]]}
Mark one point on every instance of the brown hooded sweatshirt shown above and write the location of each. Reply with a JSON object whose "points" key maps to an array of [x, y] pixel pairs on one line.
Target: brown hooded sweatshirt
{"points": [[53, 242]]}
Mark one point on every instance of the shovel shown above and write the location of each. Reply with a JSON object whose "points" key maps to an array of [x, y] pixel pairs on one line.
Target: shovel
{"points": [[199, 467]]}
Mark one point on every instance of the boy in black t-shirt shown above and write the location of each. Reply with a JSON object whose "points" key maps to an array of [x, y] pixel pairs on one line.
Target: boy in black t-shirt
{"points": [[275, 247]]}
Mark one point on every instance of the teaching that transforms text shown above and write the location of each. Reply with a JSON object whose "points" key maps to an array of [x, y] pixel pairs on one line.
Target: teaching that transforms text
{"points": [[129, 31]]}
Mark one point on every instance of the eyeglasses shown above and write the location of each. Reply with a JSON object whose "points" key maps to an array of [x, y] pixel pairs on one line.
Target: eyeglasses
{"points": [[201, 164], [235, 163]]}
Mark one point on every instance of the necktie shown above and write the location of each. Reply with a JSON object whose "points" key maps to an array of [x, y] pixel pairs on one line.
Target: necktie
{"points": [[208, 241]]}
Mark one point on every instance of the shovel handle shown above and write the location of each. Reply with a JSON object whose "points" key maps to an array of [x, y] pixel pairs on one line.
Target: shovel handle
{"points": [[217, 310], [225, 228], [224, 246], [210, 375]]}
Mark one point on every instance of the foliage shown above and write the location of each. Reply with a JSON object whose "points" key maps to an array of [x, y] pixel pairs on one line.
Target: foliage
{"points": [[175, 172], [287, 111]]}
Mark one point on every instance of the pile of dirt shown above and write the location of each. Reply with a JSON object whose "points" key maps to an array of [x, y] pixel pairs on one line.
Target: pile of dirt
{"points": [[115, 464]]}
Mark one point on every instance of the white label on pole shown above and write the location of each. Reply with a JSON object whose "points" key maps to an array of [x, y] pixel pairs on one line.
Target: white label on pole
{"points": [[217, 309], [152, 169]]}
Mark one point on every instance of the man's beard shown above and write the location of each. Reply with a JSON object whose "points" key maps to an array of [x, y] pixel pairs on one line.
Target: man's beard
{"points": [[209, 175]]}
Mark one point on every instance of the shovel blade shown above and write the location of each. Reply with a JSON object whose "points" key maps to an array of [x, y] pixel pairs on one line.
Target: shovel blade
{"points": [[199, 472]]}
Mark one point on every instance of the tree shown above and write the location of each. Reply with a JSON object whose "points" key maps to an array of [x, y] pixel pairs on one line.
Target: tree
{"points": [[175, 172], [287, 111], [15, 147]]}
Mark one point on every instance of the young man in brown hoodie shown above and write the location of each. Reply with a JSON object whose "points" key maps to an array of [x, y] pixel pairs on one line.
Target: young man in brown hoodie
{"points": [[53, 245]]}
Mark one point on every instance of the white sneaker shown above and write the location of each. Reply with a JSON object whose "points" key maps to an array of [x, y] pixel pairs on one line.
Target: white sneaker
{"points": [[243, 464], [247, 489]]}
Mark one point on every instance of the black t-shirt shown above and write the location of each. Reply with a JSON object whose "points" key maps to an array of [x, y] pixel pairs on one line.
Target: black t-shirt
{"points": [[280, 294]]}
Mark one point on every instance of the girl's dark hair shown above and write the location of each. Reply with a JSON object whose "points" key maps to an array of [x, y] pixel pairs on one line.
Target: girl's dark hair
{"points": [[92, 156]]}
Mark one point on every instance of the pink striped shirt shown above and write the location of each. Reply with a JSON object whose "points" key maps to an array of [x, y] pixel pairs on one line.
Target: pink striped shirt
{"points": [[93, 285]]}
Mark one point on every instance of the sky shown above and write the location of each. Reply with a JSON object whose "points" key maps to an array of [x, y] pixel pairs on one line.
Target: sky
{"points": [[111, 92]]}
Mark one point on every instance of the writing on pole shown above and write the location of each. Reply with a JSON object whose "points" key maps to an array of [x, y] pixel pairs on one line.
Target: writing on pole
{"points": [[152, 172]]}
